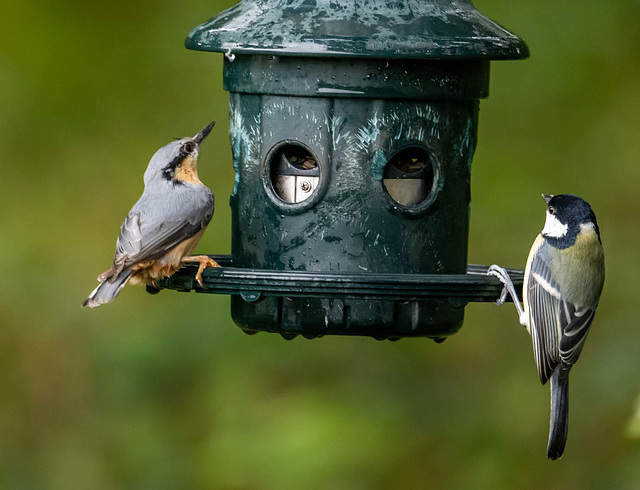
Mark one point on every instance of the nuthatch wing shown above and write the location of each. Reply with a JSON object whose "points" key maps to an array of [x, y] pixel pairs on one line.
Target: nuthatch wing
{"points": [[165, 225], [563, 280]]}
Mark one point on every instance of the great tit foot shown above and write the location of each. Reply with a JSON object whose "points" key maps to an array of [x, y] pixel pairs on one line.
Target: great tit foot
{"points": [[502, 274]]}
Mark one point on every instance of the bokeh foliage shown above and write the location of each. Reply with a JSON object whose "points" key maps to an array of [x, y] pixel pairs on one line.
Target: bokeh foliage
{"points": [[164, 392]]}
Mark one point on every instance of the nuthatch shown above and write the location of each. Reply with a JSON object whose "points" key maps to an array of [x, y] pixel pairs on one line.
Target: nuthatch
{"points": [[165, 225], [563, 280]]}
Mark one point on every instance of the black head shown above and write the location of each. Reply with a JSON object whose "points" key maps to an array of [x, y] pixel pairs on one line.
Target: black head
{"points": [[566, 214]]}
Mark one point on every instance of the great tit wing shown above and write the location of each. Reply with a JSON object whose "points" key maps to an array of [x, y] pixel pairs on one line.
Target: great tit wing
{"points": [[145, 238], [558, 327], [543, 308], [575, 332]]}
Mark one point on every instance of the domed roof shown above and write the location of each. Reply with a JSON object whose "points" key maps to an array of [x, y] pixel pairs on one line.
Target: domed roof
{"points": [[410, 29]]}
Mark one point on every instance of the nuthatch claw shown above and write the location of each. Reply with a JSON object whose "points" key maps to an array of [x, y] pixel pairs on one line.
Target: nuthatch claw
{"points": [[204, 261]]}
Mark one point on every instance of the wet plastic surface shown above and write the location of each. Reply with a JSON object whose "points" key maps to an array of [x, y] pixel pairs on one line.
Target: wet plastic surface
{"points": [[416, 29], [352, 84]]}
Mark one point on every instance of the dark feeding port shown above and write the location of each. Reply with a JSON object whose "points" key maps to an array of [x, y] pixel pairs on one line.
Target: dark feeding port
{"points": [[294, 173], [409, 177], [352, 135]]}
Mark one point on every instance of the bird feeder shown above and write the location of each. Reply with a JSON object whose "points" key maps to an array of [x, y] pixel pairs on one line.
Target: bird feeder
{"points": [[353, 125]]}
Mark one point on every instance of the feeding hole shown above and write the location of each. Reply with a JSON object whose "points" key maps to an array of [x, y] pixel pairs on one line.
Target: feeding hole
{"points": [[408, 177], [294, 173]]}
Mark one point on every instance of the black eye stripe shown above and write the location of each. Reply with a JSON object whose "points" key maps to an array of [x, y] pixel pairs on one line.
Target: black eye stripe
{"points": [[185, 150], [177, 161], [168, 173]]}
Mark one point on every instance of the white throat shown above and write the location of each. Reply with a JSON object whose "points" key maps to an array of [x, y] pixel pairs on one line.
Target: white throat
{"points": [[553, 227]]}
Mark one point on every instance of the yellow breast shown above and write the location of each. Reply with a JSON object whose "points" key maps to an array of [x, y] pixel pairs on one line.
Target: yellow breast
{"points": [[579, 269]]}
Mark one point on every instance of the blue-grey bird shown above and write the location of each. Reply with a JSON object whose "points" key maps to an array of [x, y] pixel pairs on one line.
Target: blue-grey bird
{"points": [[563, 280], [165, 225]]}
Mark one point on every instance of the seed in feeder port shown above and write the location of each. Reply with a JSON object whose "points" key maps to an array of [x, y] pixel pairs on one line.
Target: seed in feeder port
{"points": [[309, 163], [408, 177], [409, 164]]}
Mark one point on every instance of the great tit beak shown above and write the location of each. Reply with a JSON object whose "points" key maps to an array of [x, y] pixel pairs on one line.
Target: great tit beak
{"points": [[204, 133], [547, 197]]}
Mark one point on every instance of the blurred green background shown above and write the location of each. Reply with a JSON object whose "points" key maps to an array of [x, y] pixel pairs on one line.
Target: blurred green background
{"points": [[165, 392]]}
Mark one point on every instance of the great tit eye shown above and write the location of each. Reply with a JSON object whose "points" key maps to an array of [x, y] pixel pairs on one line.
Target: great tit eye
{"points": [[552, 210]]}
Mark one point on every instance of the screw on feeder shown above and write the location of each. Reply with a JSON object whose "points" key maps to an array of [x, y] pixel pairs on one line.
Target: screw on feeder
{"points": [[294, 173]]}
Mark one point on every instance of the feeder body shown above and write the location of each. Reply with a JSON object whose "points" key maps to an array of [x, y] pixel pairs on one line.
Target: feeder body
{"points": [[351, 223], [352, 151]]}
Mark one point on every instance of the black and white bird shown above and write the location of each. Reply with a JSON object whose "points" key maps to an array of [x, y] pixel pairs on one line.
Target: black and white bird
{"points": [[562, 284]]}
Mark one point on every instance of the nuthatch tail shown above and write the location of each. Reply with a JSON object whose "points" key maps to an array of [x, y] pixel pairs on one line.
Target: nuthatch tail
{"points": [[165, 225], [562, 285]]}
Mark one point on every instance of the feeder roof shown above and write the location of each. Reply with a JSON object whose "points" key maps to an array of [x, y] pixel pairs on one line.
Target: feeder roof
{"points": [[410, 29]]}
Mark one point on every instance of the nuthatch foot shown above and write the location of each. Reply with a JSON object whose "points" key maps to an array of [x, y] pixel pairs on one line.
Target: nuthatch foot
{"points": [[165, 225]]}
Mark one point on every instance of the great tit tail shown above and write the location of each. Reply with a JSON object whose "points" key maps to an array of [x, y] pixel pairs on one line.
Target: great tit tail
{"points": [[559, 422], [107, 290]]}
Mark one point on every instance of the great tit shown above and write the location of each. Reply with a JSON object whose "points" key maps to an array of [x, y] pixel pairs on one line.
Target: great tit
{"points": [[563, 280]]}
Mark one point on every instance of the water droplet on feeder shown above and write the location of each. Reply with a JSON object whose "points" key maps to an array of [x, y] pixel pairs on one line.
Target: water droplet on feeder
{"points": [[250, 296]]}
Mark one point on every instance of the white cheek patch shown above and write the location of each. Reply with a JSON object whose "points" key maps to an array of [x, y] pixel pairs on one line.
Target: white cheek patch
{"points": [[553, 227]]}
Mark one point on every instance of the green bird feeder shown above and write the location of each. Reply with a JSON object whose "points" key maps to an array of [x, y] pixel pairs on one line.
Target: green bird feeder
{"points": [[353, 125]]}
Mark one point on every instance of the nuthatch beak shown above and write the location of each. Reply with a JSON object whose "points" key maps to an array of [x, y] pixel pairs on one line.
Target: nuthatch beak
{"points": [[204, 133]]}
